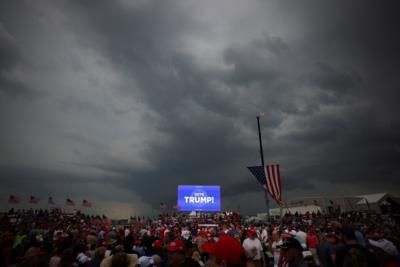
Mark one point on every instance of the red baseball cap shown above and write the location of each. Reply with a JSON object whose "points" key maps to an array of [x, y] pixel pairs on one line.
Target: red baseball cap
{"points": [[176, 245], [208, 247], [251, 232], [227, 249], [157, 244]]}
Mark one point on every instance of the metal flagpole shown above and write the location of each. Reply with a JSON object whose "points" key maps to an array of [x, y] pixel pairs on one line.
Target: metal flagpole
{"points": [[263, 165]]}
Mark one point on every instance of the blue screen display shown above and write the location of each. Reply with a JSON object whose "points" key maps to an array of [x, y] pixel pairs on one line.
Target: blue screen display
{"points": [[199, 198]]}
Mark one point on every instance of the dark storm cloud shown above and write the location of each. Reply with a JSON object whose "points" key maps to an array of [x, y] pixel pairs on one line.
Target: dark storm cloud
{"points": [[9, 53], [204, 147], [13, 87], [326, 77], [328, 87], [10, 56], [203, 141]]}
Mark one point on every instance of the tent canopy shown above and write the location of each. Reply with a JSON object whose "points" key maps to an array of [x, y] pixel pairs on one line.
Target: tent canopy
{"points": [[372, 198]]}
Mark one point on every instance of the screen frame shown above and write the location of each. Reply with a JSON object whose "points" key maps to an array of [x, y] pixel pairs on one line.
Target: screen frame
{"points": [[216, 187]]}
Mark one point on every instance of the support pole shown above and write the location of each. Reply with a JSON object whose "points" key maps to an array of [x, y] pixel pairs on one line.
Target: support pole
{"points": [[263, 165]]}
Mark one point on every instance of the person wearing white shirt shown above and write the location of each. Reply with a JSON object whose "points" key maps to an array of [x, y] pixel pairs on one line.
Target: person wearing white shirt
{"points": [[264, 235], [253, 249], [276, 246], [185, 234], [302, 236], [126, 232]]}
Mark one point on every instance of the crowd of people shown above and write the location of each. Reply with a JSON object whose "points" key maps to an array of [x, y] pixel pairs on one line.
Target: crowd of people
{"points": [[35, 238]]}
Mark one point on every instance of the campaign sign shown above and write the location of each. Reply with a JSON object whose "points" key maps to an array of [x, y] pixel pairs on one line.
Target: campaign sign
{"points": [[199, 198]]}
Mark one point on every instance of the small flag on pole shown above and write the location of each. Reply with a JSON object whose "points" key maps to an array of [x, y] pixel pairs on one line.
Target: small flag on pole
{"points": [[86, 203], [34, 200], [50, 201], [14, 199], [69, 202]]}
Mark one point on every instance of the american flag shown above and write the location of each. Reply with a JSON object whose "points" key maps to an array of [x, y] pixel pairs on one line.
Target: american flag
{"points": [[34, 200], [69, 202], [86, 203], [163, 206], [14, 199], [271, 181], [50, 201], [274, 182]]}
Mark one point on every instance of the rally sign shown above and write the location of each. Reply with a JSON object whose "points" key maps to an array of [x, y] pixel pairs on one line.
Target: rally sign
{"points": [[199, 198]]}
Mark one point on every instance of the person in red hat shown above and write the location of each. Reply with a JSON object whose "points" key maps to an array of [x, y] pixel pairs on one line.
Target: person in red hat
{"points": [[157, 248], [253, 249], [227, 252], [312, 243], [157, 244], [176, 255]]}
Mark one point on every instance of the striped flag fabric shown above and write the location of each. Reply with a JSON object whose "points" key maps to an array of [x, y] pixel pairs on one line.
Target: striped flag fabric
{"points": [[50, 201], [274, 185], [34, 200], [14, 199], [86, 203], [269, 177], [69, 202]]}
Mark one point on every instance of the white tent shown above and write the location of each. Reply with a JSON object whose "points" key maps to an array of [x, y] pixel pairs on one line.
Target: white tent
{"points": [[373, 201], [303, 209], [372, 198], [299, 209]]}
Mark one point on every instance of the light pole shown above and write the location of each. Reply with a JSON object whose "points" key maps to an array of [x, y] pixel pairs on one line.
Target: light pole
{"points": [[262, 164]]}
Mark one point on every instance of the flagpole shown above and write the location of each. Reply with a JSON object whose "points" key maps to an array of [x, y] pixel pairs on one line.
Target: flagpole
{"points": [[263, 165]]}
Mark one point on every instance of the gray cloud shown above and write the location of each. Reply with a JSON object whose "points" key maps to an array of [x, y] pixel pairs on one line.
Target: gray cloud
{"points": [[327, 78], [9, 53], [10, 56]]}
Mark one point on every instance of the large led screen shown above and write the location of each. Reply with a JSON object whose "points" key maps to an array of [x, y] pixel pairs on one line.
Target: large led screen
{"points": [[199, 198]]}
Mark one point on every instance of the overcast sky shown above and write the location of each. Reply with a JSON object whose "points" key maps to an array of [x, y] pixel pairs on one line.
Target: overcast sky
{"points": [[120, 101]]}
